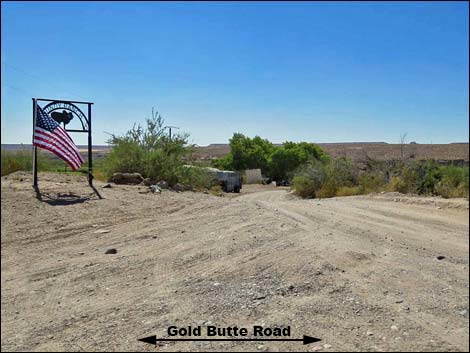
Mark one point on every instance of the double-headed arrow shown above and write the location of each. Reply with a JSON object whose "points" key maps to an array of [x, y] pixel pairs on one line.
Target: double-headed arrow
{"points": [[153, 339]]}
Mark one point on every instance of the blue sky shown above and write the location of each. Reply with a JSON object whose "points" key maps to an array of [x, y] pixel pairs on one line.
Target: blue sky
{"points": [[319, 72]]}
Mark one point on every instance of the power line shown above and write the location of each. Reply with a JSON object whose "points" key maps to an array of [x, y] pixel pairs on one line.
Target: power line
{"points": [[37, 78]]}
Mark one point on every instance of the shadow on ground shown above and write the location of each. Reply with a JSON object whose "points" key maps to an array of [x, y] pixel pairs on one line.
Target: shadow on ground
{"points": [[64, 199]]}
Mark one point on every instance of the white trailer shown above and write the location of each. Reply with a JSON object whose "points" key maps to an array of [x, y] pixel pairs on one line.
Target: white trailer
{"points": [[229, 180]]}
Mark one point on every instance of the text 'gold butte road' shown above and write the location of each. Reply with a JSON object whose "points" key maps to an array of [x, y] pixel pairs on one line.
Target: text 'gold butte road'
{"points": [[230, 331]]}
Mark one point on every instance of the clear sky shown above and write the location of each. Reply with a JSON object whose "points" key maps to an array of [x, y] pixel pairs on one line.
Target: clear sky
{"points": [[319, 72]]}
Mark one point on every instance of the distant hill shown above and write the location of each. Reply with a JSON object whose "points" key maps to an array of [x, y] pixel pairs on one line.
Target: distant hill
{"points": [[357, 151], [362, 151]]}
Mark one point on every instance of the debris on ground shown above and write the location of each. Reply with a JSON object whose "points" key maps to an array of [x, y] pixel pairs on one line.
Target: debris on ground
{"points": [[155, 189]]}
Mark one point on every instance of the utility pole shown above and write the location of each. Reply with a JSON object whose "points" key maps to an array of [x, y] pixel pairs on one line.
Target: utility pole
{"points": [[171, 127]]}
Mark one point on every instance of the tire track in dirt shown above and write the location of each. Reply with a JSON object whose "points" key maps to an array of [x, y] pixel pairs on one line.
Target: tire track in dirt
{"points": [[419, 225], [264, 257]]}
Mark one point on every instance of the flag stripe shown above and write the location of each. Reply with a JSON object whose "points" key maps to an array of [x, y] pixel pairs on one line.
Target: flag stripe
{"points": [[59, 149], [68, 155], [53, 135], [77, 152], [49, 135], [54, 150], [60, 131], [53, 141]]}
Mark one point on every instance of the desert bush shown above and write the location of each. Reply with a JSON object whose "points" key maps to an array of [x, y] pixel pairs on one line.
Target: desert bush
{"points": [[13, 161], [329, 189], [393, 184], [326, 178], [305, 187], [430, 178], [198, 178], [343, 171], [286, 159], [150, 152], [371, 182], [454, 182], [342, 178], [22, 160], [348, 191], [408, 179], [309, 179]]}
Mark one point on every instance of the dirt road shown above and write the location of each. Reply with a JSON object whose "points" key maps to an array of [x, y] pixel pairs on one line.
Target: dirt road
{"points": [[361, 273]]}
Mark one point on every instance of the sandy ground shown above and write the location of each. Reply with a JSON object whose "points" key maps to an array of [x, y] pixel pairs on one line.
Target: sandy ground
{"points": [[360, 273]]}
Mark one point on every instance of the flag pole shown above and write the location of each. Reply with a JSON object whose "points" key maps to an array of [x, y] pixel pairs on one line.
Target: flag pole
{"points": [[35, 149]]}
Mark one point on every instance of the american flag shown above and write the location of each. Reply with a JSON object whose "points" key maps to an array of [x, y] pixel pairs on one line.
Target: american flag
{"points": [[49, 135]]}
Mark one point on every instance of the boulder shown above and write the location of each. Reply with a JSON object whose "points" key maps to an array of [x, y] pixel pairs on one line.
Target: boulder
{"points": [[178, 187], [126, 178]]}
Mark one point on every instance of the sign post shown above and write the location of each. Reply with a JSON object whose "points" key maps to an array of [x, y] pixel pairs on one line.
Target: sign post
{"points": [[90, 162], [70, 110], [35, 149]]}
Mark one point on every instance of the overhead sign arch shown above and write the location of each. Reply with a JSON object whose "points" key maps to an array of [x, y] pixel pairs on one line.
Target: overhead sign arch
{"points": [[70, 109]]}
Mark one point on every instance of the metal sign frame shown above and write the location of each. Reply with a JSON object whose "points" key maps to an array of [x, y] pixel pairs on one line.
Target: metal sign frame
{"points": [[85, 120]]}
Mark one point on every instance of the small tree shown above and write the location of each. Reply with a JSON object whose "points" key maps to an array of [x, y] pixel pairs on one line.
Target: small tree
{"points": [[148, 150]]}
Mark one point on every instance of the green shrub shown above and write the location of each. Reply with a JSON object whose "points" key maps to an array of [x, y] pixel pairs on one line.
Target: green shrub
{"points": [[13, 161], [454, 182], [341, 177], [348, 191], [197, 178], [278, 163], [309, 179], [224, 163], [409, 180], [328, 189], [249, 153], [22, 160], [344, 172], [286, 159], [305, 187], [393, 184], [150, 152], [430, 178], [371, 182]]}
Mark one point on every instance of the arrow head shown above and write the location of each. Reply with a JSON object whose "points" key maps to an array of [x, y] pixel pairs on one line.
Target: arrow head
{"points": [[153, 340], [308, 339]]}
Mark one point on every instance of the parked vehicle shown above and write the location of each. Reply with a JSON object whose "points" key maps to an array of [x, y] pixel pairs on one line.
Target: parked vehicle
{"points": [[229, 180]]}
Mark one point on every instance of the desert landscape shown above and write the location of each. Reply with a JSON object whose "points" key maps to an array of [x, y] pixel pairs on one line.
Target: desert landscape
{"points": [[363, 151], [457, 153], [82, 272], [222, 176]]}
